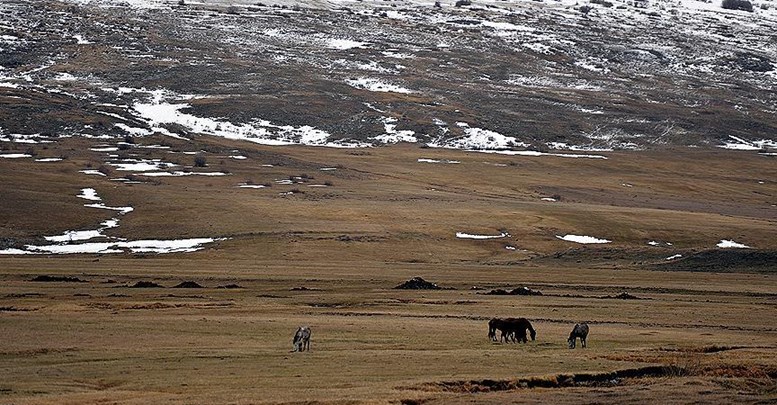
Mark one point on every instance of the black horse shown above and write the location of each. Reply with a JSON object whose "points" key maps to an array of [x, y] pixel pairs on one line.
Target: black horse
{"points": [[512, 329]]}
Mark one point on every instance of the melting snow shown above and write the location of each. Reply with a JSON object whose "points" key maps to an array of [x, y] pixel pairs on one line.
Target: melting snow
{"points": [[15, 155], [80, 40], [479, 138], [394, 136], [137, 246], [462, 235], [89, 194], [582, 239], [181, 174], [141, 165], [92, 172], [377, 85], [423, 160], [397, 55], [64, 243], [724, 243], [743, 144], [344, 44], [258, 131], [674, 257], [48, 160], [535, 153], [122, 210]]}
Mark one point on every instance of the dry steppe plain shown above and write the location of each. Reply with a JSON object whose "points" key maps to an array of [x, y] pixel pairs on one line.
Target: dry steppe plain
{"points": [[329, 257]]}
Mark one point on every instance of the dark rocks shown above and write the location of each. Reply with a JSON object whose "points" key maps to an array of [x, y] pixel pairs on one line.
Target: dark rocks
{"points": [[515, 291], [418, 283], [752, 62], [63, 279], [623, 296]]}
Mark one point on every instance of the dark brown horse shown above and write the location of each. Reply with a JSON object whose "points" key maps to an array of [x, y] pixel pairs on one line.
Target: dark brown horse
{"points": [[579, 331], [512, 329]]}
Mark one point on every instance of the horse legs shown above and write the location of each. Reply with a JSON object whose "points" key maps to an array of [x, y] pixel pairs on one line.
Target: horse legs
{"points": [[582, 342]]}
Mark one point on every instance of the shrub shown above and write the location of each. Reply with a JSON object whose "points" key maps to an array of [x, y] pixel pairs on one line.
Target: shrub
{"points": [[743, 5], [460, 3], [200, 161], [106, 170]]}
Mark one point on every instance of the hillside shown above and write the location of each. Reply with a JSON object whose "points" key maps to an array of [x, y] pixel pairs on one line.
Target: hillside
{"points": [[498, 74]]}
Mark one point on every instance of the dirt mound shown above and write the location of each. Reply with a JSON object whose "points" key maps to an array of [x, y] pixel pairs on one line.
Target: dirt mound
{"points": [[146, 284], [418, 283], [63, 279], [515, 291], [725, 260], [188, 284]]}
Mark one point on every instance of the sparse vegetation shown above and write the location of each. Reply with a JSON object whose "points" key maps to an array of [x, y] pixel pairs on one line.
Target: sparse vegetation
{"points": [[200, 161]]}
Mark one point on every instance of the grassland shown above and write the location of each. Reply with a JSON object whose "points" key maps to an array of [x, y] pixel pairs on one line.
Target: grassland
{"points": [[330, 256]]}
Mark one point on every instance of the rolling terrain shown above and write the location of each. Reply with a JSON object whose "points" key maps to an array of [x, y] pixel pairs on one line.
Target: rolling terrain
{"points": [[183, 185]]}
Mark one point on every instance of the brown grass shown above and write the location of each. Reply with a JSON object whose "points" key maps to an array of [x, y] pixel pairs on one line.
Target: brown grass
{"points": [[387, 218]]}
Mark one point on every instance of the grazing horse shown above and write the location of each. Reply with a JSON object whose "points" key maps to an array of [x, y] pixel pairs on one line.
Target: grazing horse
{"points": [[512, 329], [579, 331], [301, 340]]}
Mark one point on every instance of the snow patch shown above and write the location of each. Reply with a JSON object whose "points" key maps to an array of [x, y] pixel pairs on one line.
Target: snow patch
{"points": [[377, 85], [725, 244], [582, 239], [462, 235]]}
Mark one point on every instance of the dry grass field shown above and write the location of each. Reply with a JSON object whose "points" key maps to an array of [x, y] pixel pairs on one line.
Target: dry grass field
{"points": [[329, 257]]}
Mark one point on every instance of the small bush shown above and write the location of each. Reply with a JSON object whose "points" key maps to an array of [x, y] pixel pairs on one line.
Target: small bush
{"points": [[200, 161], [460, 3], [743, 5], [106, 170]]}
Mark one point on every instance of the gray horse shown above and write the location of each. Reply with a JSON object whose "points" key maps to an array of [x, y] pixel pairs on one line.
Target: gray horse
{"points": [[301, 340], [579, 331]]}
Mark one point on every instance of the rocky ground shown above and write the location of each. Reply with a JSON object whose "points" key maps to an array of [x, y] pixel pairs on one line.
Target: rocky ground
{"points": [[534, 75]]}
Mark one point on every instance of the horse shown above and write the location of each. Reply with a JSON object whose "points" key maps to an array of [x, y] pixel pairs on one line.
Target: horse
{"points": [[493, 325], [301, 340], [517, 328], [512, 329], [579, 331]]}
